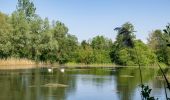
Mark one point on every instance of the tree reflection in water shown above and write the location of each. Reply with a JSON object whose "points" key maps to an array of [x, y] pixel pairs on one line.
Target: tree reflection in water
{"points": [[99, 84]]}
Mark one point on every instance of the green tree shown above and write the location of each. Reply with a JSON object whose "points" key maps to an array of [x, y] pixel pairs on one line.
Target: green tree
{"points": [[47, 48], [101, 42], [20, 35], [167, 34], [5, 34], [158, 41], [45, 45], [125, 38], [86, 54], [67, 43], [27, 8], [27, 35], [71, 48], [84, 44], [101, 56], [167, 39], [123, 55], [101, 47], [36, 31]]}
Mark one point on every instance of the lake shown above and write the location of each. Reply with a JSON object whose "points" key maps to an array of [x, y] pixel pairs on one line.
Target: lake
{"points": [[79, 84]]}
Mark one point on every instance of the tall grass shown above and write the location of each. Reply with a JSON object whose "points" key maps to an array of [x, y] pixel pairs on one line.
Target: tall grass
{"points": [[14, 61]]}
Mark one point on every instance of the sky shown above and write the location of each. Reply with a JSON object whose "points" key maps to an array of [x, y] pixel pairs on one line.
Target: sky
{"points": [[89, 18]]}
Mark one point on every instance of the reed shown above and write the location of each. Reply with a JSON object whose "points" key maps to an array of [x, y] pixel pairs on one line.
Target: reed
{"points": [[14, 63]]}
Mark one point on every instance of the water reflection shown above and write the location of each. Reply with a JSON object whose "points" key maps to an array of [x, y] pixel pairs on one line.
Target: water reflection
{"points": [[26, 85], [128, 81], [99, 84]]}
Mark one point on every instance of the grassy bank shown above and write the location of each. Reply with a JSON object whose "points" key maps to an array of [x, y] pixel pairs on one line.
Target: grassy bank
{"points": [[13, 63], [73, 65]]}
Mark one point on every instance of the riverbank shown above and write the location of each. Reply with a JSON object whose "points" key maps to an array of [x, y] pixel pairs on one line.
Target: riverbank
{"points": [[75, 65], [12, 63], [30, 66]]}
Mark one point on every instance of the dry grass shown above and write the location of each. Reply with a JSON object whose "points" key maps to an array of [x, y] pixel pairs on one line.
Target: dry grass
{"points": [[13, 63]]}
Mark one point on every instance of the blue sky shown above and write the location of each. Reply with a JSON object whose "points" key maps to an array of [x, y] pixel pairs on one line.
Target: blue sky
{"points": [[88, 18]]}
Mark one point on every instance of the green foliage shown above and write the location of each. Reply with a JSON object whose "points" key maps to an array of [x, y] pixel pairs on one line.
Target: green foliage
{"points": [[27, 8], [101, 43], [24, 34], [126, 47], [5, 30], [125, 36], [101, 47], [146, 93], [127, 56], [95, 51], [20, 34], [167, 34], [158, 41], [67, 43], [102, 56], [85, 54]]}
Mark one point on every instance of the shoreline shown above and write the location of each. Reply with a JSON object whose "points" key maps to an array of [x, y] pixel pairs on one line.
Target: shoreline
{"points": [[75, 66], [31, 66], [12, 64]]}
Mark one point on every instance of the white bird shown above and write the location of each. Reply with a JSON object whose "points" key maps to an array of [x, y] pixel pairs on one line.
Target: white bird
{"points": [[49, 70], [62, 70]]}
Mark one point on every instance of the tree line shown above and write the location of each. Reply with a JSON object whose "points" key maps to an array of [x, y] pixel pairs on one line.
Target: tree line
{"points": [[24, 34]]}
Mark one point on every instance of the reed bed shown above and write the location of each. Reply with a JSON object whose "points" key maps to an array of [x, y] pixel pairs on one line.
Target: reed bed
{"points": [[13, 63]]}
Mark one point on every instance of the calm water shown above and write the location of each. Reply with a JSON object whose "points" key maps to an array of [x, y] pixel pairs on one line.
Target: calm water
{"points": [[93, 84]]}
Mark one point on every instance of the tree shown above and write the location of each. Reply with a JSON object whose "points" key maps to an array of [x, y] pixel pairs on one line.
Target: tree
{"points": [[27, 8], [167, 34], [101, 56], [47, 48], [167, 39], [27, 35], [84, 44], [86, 54], [67, 43], [5, 34], [101, 47], [71, 48], [37, 31], [158, 41], [20, 35], [125, 38], [101, 42], [44, 44], [127, 50]]}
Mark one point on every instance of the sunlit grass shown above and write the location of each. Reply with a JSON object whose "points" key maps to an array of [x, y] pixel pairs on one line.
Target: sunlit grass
{"points": [[14, 61], [70, 64]]}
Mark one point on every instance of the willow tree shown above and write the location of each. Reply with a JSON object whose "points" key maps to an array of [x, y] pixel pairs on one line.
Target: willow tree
{"points": [[127, 46]]}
